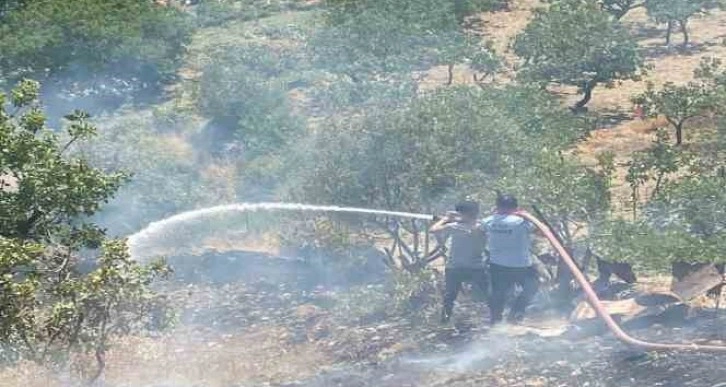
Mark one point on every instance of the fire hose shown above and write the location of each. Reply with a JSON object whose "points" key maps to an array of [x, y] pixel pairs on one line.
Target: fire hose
{"points": [[599, 308]]}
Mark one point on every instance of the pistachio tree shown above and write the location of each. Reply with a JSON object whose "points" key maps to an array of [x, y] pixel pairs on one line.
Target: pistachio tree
{"points": [[64, 286], [670, 12], [682, 103], [576, 43]]}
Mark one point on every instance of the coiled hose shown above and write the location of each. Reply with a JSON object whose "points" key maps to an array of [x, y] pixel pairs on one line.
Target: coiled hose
{"points": [[598, 306]]}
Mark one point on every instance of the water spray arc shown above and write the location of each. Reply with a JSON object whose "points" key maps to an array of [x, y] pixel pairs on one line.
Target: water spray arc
{"points": [[137, 241], [598, 306]]}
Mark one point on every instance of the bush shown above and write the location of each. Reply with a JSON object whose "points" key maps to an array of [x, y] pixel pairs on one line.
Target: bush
{"points": [[244, 90], [93, 54], [136, 37], [453, 141], [464, 8]]}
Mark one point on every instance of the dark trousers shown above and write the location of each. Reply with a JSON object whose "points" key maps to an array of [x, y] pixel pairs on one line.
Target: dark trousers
{"points": [[454, 277], [503, 280]]}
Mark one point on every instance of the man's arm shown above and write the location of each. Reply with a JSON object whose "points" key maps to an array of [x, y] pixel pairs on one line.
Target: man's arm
{"points": [[441, 224], [534, 229]]}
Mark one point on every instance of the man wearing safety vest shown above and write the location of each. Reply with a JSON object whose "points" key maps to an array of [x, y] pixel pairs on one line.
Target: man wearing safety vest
{"points": [[509, 239]]}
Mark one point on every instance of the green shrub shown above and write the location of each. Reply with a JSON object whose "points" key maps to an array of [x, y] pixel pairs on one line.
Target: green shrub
{"points": [[244, 89], [134, 38], [53, 304]]}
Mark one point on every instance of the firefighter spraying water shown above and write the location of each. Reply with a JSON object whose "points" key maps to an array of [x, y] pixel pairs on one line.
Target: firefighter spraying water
{"points": [[507, 234]]}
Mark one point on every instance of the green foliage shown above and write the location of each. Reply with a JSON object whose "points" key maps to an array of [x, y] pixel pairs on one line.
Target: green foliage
{"points": [[685, 222], [52, 305], [464, 8], [390, 39], [132, 37], [564, 190], [452, 141], [663, 11], [51, 309], [680, 103], [244, 88], [574, 42], [654, 164], [52, 190], [650, 248], [696, 204], [682, 220]]}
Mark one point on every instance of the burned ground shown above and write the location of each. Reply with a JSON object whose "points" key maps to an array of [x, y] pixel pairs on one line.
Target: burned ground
{"points": [[287, 331]]}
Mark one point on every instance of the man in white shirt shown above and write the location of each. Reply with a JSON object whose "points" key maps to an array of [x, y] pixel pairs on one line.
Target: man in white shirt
{"points": [[509, 239]]}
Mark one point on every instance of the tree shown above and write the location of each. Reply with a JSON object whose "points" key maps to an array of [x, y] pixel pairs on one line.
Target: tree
{"points": [[684, 223], [620, 8], [387, 41], [696, 204], [51, 305], [654, 164], [244, 91], [93, 41], [677, 104], [601, 52], [672, 11], [454, 141]]}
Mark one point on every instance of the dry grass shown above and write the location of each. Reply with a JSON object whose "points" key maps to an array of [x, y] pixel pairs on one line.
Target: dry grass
{"points": [[501, 27], [267, 243], [188, 357], [220, 361], [669, 65]]}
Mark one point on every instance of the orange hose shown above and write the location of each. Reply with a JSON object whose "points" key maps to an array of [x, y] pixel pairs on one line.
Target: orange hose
{"points": [[598, 306]]}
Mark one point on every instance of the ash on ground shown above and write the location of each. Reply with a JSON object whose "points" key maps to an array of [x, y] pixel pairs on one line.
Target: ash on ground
{"points": [[353, 336]]}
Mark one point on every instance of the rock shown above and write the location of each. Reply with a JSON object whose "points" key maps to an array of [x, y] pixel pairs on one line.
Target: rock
{"points": [[695, 283]]}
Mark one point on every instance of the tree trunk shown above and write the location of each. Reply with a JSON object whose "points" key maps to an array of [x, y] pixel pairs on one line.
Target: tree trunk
{"points": [[684, 30], [451, 74], [587, 88], [679, 133], [658, 182], [459, 10], [668, 32]]}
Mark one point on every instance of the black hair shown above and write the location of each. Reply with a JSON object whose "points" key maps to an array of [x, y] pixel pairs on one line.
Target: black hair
{"points": [[506, 202], [467, 207]]}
